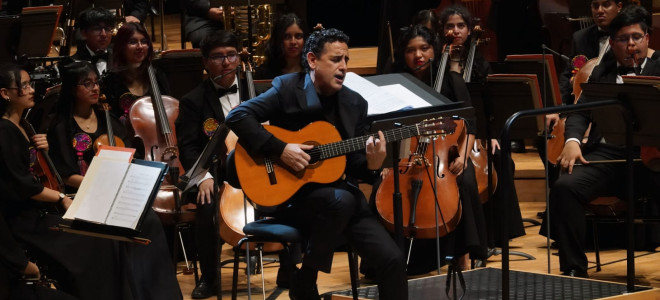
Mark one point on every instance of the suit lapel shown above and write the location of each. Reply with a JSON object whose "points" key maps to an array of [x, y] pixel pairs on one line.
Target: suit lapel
{"points": [[310, 101]]}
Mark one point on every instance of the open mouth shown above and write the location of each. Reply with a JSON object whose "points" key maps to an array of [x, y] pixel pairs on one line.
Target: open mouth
{"points": [[340, 77]]}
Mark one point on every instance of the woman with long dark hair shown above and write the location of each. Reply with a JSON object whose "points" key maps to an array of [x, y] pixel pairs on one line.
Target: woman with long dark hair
{"points": [[284, 49]]}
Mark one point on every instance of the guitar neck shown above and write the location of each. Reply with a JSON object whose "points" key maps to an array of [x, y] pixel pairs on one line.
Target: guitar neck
{"points": [[346, 146]]}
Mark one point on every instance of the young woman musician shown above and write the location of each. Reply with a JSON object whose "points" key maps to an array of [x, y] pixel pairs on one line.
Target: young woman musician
{"points": [[128, 78], [417, 55], [85, 267], [284, 49], [79, 119], [459, 20]]}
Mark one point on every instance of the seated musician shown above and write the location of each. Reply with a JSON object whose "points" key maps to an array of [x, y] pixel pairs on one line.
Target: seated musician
{"points": [[201, 111], [284, 48], [417, 45], [85, 267], [323, 212], [458, 19], [96, 25], [201, 20], [571, 192]]}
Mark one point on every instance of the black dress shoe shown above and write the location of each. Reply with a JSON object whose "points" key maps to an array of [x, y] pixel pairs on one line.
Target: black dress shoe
{"points": [[285, 276], [517, 146], [576, 273], [203, 290]]}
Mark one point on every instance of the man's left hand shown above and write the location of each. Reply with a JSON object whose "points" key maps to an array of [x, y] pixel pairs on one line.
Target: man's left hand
{"points": [[376, 151], [132, 19]]}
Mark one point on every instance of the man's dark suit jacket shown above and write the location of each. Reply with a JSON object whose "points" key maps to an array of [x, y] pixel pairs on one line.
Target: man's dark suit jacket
{"points": [[292, 103], [577, 123], [585, 42], [196, 107], [197, 15]]}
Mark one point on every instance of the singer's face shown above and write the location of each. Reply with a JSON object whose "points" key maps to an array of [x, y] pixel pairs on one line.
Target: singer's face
{"points": [[222, 61], [329, 68], [417, 54], [87, 90], [459, 27], [604, 11], [628, 42]]}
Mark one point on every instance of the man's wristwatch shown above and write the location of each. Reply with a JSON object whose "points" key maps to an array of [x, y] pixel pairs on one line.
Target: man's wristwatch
{"points": [[61, 195]]}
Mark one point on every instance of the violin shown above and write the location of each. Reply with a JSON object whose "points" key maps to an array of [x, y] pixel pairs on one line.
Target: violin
{"points": [[108, 138], [420, 184], [233, 211], [43, 168]]}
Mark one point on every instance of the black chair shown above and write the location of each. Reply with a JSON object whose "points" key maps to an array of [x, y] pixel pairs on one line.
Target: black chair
{"points": [[270, 230]]}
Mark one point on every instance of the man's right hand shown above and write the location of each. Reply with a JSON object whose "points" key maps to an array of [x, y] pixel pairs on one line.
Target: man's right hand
{"points": [[570, 155], [550, 121], [205, 191], [215, 13], [295, 157]]}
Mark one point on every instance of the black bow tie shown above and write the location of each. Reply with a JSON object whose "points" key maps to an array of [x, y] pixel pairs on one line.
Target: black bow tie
{"points": [[100, 55], [628, 70], [231, 90]]}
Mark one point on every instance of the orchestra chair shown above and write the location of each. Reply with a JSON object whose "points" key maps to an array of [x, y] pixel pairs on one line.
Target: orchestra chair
{"points": [[183, 69], [610, 209], [271, 231]]}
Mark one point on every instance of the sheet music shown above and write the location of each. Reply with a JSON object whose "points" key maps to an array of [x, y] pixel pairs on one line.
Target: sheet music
{"points": [[383, 99], [95, 196], [133, 195]]}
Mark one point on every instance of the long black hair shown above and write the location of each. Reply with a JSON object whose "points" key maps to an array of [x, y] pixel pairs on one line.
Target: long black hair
{"points": [[9, 72], [409, 34], [72, 74], [274, 52]]}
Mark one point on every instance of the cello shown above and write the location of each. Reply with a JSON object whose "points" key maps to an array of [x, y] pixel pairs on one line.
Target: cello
{"points": [[159, 112], [418, 199], [234, 213]]}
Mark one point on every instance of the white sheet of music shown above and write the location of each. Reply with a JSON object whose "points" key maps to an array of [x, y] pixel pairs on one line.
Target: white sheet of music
{"points": [[97, 193], [383, 100], [133, 195]]}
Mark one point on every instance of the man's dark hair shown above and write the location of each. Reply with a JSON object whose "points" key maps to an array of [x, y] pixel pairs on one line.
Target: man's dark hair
{"points": [[317, 40], [220, 38], [630, 15], [94, 16]]}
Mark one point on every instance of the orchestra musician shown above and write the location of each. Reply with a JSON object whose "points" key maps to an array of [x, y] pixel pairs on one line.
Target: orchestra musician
{"points": [[323, 212], [85, 267], [201, 111], [459, 20], [571, 192], [96, 25], [284, 48], [201, 20], [416, 47]]}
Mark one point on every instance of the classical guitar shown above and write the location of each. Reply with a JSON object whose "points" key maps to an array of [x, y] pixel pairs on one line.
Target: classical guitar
{"points": [[268, 183]]}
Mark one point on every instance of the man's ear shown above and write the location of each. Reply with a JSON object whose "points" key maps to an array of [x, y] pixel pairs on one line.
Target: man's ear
{"points": [[311, 60], [4, 93]]}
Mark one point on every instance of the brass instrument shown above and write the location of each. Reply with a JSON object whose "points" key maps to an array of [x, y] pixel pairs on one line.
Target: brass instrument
{"points": [[251, 24]]}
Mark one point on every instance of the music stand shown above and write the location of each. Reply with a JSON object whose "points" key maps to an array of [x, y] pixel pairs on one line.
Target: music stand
{"points": [[183, 67], [38, 26], [634, 125], [534, 64]]}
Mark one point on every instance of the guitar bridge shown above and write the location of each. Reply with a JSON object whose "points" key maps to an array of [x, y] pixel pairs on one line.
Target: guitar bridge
{"points": [[270, 171]]}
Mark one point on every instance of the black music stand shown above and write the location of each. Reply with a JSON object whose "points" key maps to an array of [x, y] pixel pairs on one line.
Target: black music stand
{"points": [[518, 65], [634, 125], [37, 29], [8, 37]]}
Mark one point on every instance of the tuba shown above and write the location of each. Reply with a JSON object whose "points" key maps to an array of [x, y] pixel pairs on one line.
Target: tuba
{"points": [[253, 26]]}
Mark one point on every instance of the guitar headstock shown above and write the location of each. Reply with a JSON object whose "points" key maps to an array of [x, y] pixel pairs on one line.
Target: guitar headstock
{"points": [[437, 126]]}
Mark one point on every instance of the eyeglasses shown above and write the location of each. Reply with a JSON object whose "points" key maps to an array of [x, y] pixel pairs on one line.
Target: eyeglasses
{"points": [[24, 86], [99, 29], [88, 84], [218, 59], [624, 39], [135, 42]]}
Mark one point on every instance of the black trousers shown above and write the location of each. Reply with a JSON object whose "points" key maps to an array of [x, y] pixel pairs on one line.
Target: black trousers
{"points": [[572, 192], [327, 215], [207, 241]]}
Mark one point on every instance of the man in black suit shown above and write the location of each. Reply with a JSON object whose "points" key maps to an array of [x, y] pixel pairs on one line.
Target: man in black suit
{"points": [[201, 19], [324, 213], [201, 111], [96, 25], [582, 184]]}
